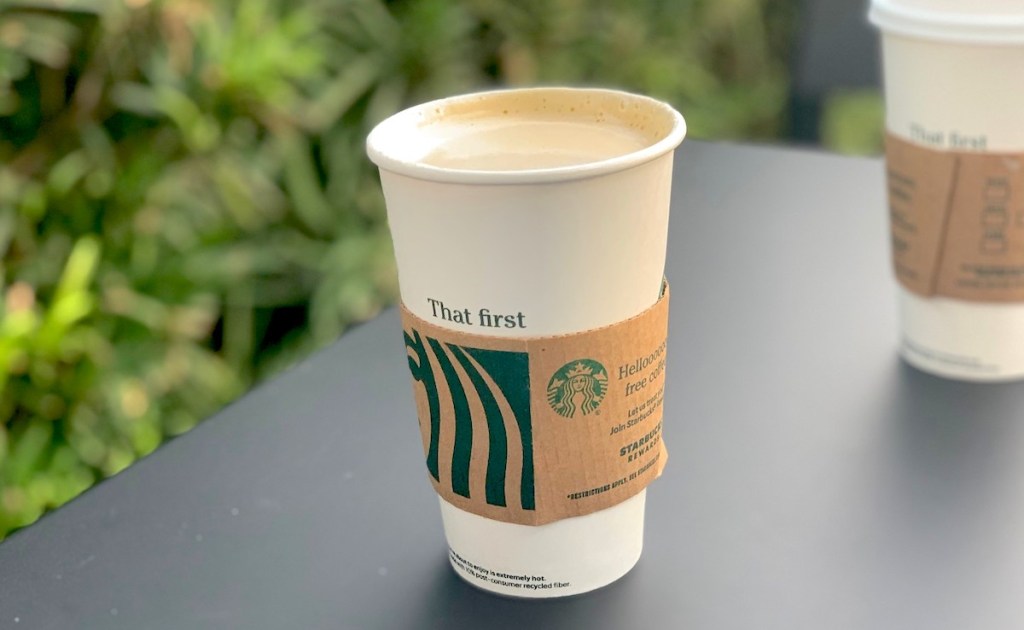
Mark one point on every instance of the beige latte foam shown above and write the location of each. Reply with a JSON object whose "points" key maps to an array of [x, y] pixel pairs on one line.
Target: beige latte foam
{"points": [[521, 143], [510, 132]]}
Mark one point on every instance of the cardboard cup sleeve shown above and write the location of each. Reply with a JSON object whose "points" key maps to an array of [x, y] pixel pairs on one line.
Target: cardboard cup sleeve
{"points": [[532, 430], [957, 222]]}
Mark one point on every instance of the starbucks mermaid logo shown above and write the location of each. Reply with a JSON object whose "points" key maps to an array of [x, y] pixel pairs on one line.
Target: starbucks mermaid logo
{"points": [[577, 388]]}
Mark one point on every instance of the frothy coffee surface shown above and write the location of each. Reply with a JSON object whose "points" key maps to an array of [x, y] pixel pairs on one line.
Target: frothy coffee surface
{"points": [[513, 142], [537, 134]]}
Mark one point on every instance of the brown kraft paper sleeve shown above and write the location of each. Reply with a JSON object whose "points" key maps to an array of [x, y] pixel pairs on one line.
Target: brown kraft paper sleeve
{"points": [[957, 222], [532, 430]]}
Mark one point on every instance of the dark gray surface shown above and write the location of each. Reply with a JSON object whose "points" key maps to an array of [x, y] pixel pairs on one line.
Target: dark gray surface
{"points": [[815, 482]]}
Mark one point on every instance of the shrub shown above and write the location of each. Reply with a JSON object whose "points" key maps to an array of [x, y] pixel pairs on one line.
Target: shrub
{"points": [[185, 206]]}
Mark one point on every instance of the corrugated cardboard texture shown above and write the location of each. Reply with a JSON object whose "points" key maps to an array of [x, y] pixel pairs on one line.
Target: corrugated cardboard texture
{"points": [[957, 221], [533, 430]]}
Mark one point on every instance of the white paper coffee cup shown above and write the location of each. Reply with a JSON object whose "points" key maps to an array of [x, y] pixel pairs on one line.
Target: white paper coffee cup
{"points": [[571, 248], [952, 72]]}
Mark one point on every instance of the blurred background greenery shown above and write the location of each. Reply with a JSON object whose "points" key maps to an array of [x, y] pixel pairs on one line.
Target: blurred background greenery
{"points": [[185, 206]]}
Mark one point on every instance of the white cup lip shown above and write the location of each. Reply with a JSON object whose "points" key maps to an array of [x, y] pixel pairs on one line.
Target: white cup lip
{"points": [[966, 28], [382, 140]]}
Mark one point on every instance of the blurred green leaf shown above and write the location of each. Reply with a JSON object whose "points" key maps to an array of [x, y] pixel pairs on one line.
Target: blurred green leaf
{"points": [[853, 122]]}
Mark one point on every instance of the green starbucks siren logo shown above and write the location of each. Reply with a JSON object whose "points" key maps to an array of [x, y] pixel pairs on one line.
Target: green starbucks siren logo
{"points": [[578, 387]]}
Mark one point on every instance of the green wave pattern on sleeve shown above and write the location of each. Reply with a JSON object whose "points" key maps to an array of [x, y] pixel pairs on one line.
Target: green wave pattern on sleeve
{"points": [[422, 373], [462, 453], [497, 452], [511, 373]]}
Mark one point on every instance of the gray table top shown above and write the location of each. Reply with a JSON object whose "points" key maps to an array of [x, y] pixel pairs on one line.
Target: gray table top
{"points": [[815, 481]]}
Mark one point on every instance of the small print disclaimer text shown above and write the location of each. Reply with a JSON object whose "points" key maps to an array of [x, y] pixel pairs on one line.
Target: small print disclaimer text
{"points": [[509, 580]]}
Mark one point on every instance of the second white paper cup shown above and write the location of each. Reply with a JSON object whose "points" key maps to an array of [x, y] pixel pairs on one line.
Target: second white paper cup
{"points": [[952, 81], [572, 248]]}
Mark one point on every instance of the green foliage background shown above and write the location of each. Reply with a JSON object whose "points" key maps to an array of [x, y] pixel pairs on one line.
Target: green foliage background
{"points": [[185, 206]]}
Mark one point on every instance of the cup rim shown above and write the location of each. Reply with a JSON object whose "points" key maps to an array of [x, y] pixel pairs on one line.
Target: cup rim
{"points": [[380, 143], [967, 28]]}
